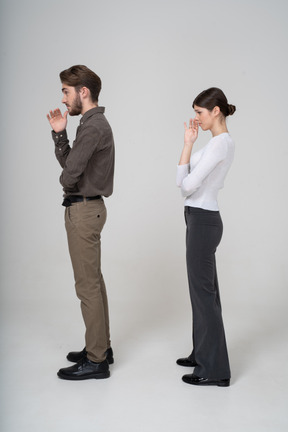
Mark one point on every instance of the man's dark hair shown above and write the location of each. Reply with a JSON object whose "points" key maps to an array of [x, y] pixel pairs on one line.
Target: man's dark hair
{"points": [[80, 76]]}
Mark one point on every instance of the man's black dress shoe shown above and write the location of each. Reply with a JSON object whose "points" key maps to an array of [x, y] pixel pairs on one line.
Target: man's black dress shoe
{"points": [[186, 362], [85, 369], [75, 356], [193, 379]]}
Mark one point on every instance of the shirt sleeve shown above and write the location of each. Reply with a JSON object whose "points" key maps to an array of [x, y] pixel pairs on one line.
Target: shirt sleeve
{"points": [[182, 172], [87, 140], [62, 147], [190, 177]]}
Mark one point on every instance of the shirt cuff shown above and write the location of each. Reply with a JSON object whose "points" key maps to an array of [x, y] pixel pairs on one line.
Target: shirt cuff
{"points": [[183, 169], [59, 138]]}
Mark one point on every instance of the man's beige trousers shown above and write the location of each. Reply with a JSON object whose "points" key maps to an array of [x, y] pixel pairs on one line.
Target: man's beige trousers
{"points": [[84, 222]]}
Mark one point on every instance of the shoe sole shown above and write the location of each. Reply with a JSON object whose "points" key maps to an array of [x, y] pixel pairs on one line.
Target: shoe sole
{"points": [[214, 384], [101, 375], [187, 365]]}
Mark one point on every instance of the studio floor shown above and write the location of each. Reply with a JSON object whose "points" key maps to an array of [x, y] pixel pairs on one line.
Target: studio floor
{"points": [[145, 392]]}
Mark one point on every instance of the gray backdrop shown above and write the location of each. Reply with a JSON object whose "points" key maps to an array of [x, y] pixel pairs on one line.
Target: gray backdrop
{"points": [[153, 57]]}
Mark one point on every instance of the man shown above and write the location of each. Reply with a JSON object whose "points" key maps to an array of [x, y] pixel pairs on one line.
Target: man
{"points": [[87, 176]]}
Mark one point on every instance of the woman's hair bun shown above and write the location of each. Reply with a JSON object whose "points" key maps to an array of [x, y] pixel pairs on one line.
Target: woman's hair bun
{"points": [[231, 109]]}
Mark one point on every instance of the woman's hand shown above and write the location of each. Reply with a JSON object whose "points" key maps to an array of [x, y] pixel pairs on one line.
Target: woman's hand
{"points": [[191, 132], [57, 121], [190, 136]]}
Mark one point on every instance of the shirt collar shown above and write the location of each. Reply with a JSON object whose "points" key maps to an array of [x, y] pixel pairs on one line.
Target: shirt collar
{"points": [[91, 112]]}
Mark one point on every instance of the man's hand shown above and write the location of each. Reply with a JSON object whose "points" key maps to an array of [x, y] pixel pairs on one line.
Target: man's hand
{"points": [[57, 121]]}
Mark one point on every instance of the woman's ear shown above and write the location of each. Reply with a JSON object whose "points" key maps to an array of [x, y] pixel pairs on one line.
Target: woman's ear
{"points": [[216, 111]]}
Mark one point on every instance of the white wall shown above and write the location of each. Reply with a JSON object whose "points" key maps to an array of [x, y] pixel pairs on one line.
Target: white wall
{"points": [[153, 57]]}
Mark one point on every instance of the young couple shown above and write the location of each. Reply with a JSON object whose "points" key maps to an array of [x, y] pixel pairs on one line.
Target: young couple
{"points": [[87, 177]]}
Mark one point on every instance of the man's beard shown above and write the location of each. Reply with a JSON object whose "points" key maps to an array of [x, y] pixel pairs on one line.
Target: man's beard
{"points": [[76, 107]]}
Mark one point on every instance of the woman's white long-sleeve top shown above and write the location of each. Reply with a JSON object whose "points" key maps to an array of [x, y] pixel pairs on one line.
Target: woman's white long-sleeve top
{"points": [[201, 179]]}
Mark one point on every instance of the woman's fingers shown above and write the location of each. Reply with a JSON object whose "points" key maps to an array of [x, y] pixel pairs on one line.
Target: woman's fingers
{"points": [[190, 124]]}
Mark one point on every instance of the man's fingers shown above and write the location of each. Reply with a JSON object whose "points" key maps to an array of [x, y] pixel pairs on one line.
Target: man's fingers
{"points": [[55, 113]]}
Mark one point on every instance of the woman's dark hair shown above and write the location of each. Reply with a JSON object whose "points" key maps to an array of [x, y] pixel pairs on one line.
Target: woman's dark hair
{"points": [[80, 76], [214, 97]]}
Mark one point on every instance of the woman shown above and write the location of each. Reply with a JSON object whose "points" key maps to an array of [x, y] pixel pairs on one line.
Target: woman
{"points": [[200, 177]]}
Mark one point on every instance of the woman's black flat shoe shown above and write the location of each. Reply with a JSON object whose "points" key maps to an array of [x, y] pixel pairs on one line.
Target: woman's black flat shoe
{"points": [[186, 362], [195, 380]]}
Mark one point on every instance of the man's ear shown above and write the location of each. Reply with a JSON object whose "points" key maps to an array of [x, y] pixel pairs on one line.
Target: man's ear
{"points": [[85, 92]]}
